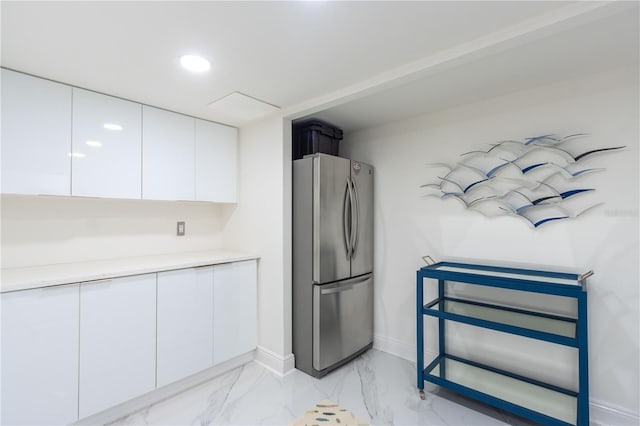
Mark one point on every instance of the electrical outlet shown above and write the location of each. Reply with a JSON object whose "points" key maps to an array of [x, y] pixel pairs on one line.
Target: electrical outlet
{"points": [[180, 230]]}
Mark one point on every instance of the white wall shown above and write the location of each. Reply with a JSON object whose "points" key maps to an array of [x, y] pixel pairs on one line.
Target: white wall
{"points": [[39, 230], [261, 224], [409, 226]]}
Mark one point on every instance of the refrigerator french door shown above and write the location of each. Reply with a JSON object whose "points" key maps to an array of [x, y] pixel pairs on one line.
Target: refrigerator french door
{"points": [[332, 261]]}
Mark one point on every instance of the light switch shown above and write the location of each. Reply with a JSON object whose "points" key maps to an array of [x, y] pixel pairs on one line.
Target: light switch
{"points": [[180, 232]]}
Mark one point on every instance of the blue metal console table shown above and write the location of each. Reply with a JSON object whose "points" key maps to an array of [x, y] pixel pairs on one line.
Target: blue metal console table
{"points": [[533, 399]]}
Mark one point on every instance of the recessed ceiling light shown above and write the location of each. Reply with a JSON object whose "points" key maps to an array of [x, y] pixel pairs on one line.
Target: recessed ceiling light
{"points": [[77, 155], [96, 144], [195, 63], [112, 126]]}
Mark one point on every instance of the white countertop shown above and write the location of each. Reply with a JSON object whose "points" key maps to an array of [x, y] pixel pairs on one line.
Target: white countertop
{"points": [[66, 273]]}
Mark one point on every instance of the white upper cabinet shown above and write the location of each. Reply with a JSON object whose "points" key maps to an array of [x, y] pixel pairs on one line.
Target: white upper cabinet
{"points": [[40, 356], [62, 140], [185, 323], [107, 146], [36, 135], [234, 309], [216, 162], [168, 155]]}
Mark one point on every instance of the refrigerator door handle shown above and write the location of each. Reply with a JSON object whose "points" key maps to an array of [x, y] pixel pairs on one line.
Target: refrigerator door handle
{"points": [[355, 226], [348, 197], [345, 287]]}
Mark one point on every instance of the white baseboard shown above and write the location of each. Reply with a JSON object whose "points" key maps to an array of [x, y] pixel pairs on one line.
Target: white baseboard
{"points": [[126, 408], [276, 363], [600, 413], [395, 347]]}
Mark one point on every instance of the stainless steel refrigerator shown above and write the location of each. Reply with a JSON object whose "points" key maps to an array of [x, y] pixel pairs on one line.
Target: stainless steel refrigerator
{"points": [[332, 261]]}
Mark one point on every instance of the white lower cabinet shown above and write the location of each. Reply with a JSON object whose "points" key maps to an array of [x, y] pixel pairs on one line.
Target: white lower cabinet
{"points": [[40, 356], [234, 309], [117, 341], [185, 323], [74, 350]]}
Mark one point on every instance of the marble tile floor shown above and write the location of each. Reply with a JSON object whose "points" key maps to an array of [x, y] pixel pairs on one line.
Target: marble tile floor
{"points": [[377, 387]]}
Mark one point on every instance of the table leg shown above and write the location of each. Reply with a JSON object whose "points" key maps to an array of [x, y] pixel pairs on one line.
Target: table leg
{"points": [[420, 333], [583, 361], [441, 329]]}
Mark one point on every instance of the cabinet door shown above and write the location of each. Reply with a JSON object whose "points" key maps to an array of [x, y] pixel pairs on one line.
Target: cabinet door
{"points": [[36, 135], [234, 309], [107, 146], [216, 162], [168, 155], [117, 341], [40, 356], [185, 323]]}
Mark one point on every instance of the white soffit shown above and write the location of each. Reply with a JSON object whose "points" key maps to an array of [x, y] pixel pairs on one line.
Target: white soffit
{"points": [[237, 109], [586, 44]]}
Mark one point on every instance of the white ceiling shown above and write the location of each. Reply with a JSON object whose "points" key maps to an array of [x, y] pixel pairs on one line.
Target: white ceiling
{"points": [[283, 53], [355, 64]]}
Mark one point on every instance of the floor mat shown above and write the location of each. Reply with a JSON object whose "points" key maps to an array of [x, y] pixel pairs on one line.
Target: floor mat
{"points": [[327, 413]]}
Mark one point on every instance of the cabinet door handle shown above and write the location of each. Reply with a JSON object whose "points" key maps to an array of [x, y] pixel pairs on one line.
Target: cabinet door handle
{"points": [[104, 280]]}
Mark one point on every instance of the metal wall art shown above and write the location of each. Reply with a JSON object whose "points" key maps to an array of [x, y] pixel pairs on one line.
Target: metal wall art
{"points": [[536, 179]]}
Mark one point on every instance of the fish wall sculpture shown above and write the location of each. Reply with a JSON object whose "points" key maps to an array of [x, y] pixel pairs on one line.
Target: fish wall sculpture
{"points": [[536, 179]]}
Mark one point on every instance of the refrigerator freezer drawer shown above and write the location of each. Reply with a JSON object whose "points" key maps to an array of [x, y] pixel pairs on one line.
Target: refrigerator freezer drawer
{"points": [[342, 319]]}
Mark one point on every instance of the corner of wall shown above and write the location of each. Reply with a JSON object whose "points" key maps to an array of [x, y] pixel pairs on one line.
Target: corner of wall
{"points": [[261, 224]]}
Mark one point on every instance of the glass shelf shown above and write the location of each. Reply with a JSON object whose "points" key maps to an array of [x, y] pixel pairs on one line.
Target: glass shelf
{"points": [[538, 281], [513, 275], [557, 329], [557, 404]]}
